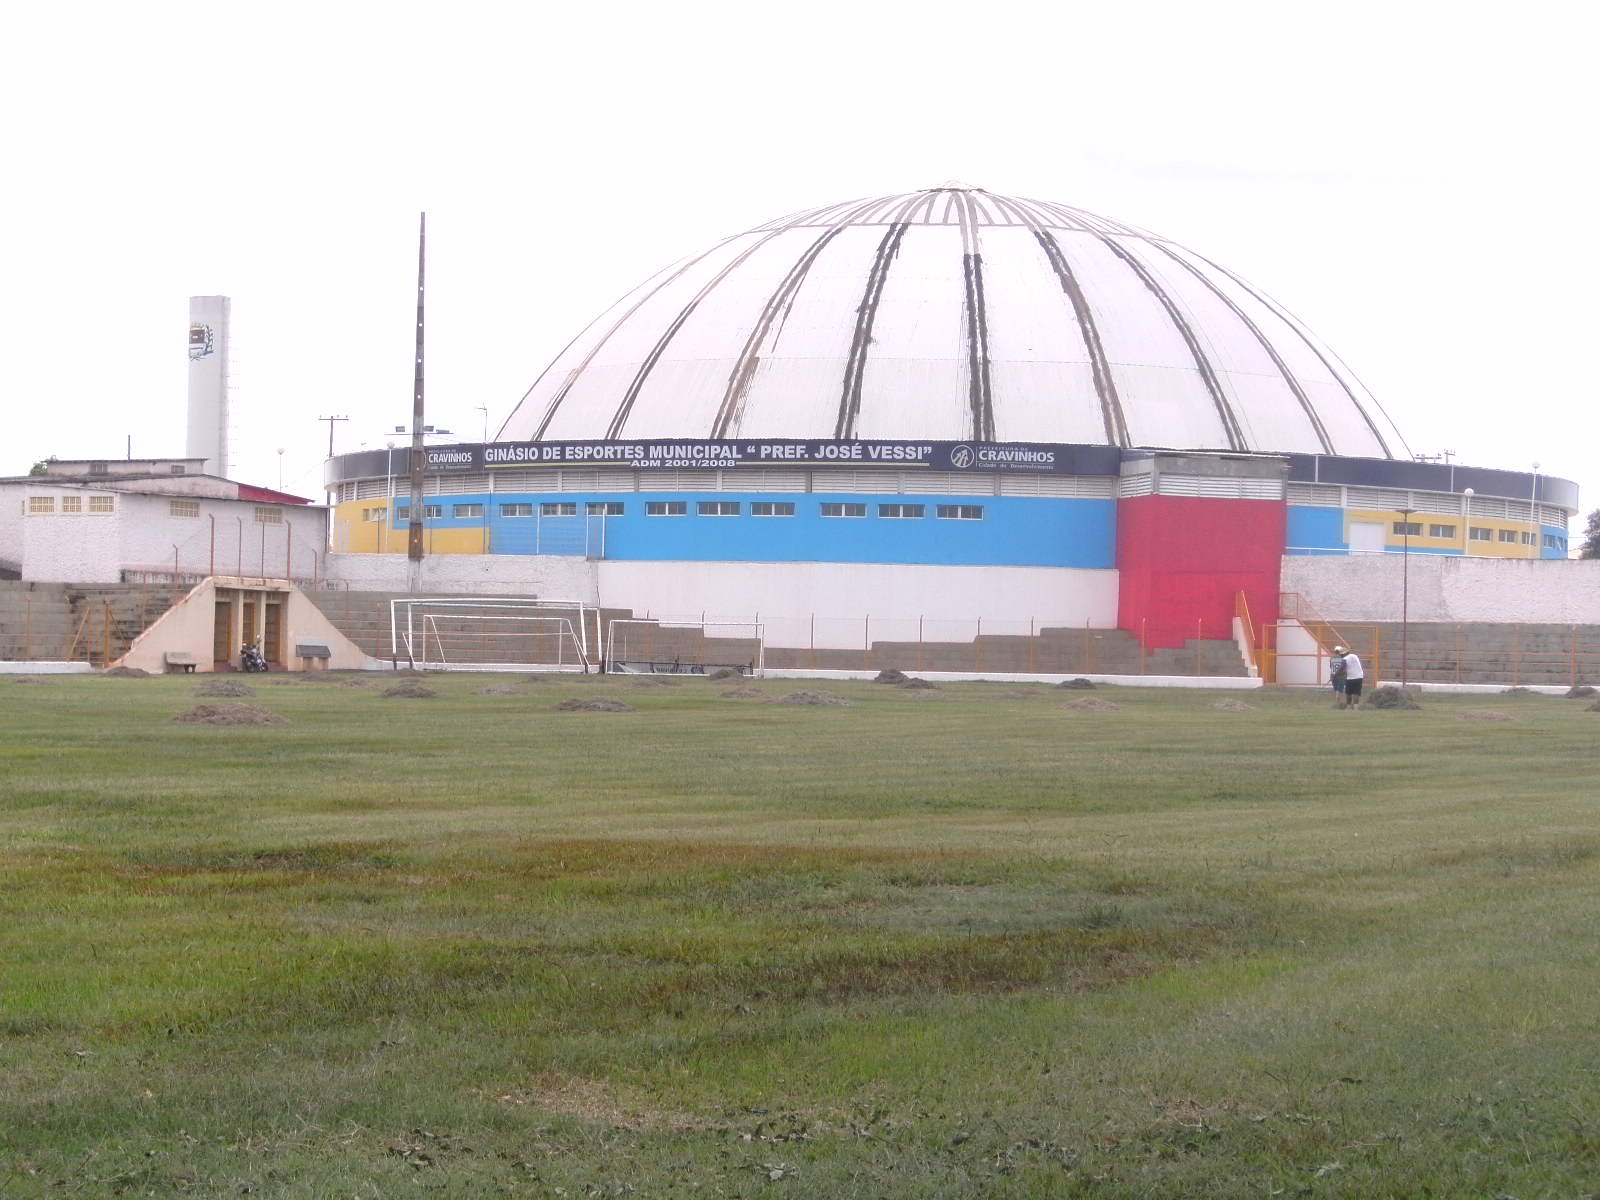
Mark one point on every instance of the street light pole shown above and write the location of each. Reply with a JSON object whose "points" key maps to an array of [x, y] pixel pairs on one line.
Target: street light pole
{"points": [[1405, 593], [1533, 510]]}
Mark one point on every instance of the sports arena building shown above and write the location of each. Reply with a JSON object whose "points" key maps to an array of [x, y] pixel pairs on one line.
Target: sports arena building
{"points": [[947, 404]]}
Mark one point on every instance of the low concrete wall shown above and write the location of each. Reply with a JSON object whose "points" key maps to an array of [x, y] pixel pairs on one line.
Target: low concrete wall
{"points": [[1444, 588], [45, 668], [551, 576]]}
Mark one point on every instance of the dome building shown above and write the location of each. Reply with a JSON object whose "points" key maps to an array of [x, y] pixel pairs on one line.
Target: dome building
{"points": [[948, 405]]}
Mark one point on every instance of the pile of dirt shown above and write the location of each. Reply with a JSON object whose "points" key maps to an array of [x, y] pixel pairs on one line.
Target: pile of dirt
{"points": [[816, 699], [721, 673], [224, 687], [229, 714], [1519, 691], [915, 684], [600, 704], [1391, 697], [1484, 714], [409, 691], [1232, 706], [126, 673], [1079, 684], [1093, 704], [1582, 692], [744, 693], [890, 676]]}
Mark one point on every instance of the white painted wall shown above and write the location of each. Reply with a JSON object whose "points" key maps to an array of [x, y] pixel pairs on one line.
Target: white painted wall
{"points": [[842, 605], [555, 577], [1448, 588]]}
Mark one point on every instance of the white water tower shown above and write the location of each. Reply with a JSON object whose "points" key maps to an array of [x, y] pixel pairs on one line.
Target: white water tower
{"points": [[208, 382]]}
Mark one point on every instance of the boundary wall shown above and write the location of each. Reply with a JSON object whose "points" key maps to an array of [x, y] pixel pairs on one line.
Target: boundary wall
{"points": [[1440, 589]]}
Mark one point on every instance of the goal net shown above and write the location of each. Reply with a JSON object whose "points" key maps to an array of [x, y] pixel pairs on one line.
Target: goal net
{"points": [[684, 645], [501, 633]]}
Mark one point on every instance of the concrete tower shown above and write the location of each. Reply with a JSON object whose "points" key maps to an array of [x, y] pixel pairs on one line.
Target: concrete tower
{"points": [[208, 382]]}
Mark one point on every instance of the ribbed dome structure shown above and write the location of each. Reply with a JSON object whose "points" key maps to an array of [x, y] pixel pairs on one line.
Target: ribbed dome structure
{"points": [[955, 314]]}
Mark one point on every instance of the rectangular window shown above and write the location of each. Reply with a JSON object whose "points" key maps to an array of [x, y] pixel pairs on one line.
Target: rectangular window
{"points": [[102, 504], [1552, 542], [177, 468], [834, 509], [183, 508], [41, 504], [374, 514], [717, 508], [516, 510], [666, 508], [1408, 528], [772, 508], [961, 512], [466, 510], [559, 508], [1442, 531], [430, 511], [605, 508], [902, 511], [1527, 538], [1480, 534], [1509, 535], [268, 516], [72, 504]]}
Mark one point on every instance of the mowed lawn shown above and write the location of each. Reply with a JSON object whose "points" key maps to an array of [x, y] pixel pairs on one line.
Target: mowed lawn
{"points": [[971, 942]]}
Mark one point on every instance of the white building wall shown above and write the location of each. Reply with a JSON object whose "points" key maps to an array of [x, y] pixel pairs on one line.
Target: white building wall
{"points": [[843, 605], [548, 576], [79, 547], [1447, 588]]}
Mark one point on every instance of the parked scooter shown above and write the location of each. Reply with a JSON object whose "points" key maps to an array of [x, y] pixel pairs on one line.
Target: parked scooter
{"points": [[251, 659]]}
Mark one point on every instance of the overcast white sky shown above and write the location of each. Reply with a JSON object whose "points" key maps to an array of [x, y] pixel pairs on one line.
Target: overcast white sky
{"points": [[1415, 182]]}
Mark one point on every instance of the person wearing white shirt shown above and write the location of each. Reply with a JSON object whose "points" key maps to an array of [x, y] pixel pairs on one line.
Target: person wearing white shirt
{"points": [[1354, 676]]}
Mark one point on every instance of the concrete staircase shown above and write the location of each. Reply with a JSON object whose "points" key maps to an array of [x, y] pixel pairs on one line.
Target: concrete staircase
{"points": [[1483, 652], [86, 622]]}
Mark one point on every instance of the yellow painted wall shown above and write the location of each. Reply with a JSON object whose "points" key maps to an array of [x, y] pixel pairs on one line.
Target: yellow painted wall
{"points": [[1490, 549], [354, 534]]}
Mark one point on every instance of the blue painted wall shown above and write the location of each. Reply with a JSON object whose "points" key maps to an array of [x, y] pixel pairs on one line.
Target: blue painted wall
{"points": [[1315, 530], [1014, 531]]}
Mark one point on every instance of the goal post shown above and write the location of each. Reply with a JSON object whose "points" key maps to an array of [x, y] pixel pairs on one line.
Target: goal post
{"points": [[491, 633], [684, 645]]}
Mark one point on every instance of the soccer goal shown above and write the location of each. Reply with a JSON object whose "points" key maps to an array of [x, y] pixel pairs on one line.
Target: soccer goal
{"points": [[498, 633], [684, 645]]}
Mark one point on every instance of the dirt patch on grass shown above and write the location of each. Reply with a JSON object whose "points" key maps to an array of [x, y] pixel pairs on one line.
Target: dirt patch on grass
{"points": [[814, 699], [409, 691], [890, 676], [1484, 714], [1232, 706], [224, 687], [1595, 707], [1093, 704], [657, 681], [603, 1104], [599, 704], [1582, 692], [724, 673], [229, 714], [1391, 698], [126, 673], [1080, 684], [32, 679], [919, 685], [744, 693], [1518, 691]]}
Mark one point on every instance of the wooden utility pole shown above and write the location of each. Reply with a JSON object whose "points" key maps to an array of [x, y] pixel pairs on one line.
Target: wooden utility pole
{"points": [[414, 545]]}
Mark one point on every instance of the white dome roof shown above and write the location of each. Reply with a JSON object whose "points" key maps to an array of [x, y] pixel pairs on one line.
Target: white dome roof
{"points": [[955, 314]]}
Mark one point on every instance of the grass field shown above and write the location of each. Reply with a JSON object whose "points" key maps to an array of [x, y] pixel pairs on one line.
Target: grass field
{"points": [[967, 943]]}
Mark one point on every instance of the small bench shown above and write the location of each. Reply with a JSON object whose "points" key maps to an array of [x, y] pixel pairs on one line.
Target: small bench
{"points": [[313, 650], [181, 659]]}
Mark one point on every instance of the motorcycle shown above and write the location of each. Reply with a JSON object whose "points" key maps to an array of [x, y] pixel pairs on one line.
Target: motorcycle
{"points": [[251, 659]]}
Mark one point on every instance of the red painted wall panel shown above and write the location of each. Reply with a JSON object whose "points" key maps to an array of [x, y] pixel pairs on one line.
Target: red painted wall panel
{"points": [[1181, 559]]}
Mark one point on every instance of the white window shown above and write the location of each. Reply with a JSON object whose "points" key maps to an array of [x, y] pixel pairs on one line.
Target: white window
{"points": [[717, 508], [466, 510], [960, 512], [1408, 529], [102, 504], [666, 508], [516, 510], [1480, 534], [835, 509], [1527, 538], [183, 508], [772, 508], [1442, 531], [559, 508], [605, 508], [374, 514], [38, 505], [72, 504], [269, 516], [431, 511], [1509, 535], [904, 512]]}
